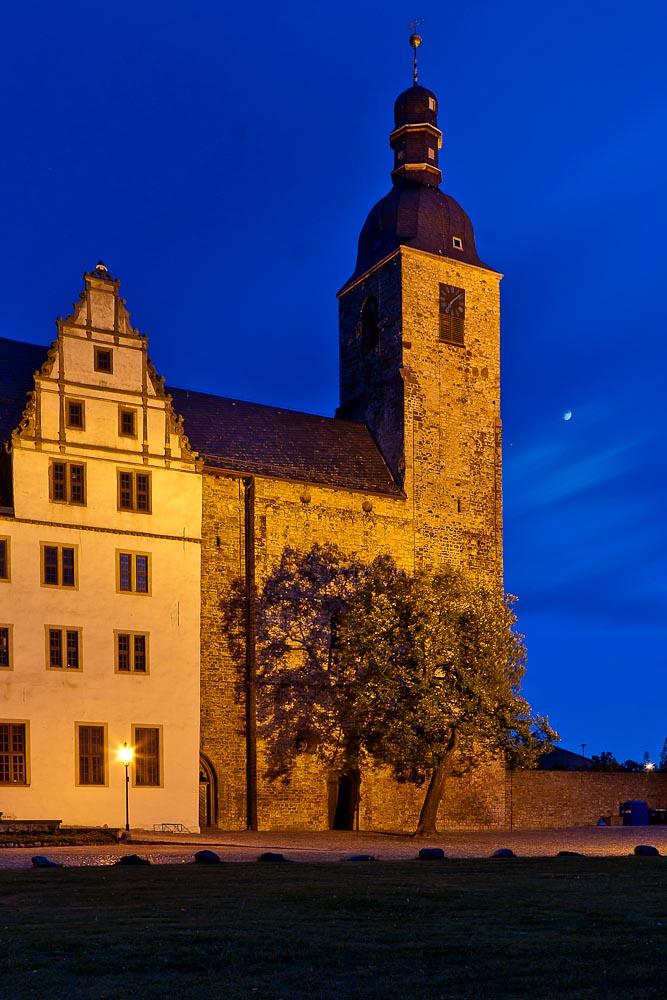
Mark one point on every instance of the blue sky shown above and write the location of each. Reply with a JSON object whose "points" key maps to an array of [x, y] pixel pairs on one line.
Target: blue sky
{"points": [[222, 164]]}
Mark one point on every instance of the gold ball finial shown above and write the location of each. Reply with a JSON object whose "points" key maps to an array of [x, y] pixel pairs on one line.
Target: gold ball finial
{"points": [[415, 42]]}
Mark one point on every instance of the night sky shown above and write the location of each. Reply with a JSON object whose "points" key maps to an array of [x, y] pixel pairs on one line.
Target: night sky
{"points": [[221, 164]]}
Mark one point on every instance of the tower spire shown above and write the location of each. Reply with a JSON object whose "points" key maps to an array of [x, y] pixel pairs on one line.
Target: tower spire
{"points": [[415, 42]]}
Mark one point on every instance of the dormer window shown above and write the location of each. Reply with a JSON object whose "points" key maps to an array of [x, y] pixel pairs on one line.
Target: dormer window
{"points": [[431, 104], [457, 242]]}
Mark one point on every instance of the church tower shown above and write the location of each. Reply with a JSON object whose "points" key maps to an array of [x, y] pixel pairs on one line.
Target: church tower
{"points": [[419, 325]]}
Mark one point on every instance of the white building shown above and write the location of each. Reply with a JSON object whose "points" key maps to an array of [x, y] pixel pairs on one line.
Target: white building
{"points": [[100, 537]]}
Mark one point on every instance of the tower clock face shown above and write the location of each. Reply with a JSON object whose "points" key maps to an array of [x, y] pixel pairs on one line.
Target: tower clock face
{"points": [[453, 300]]}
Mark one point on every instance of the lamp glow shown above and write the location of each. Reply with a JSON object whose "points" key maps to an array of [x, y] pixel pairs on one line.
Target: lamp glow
{"points": [[125, 756]]}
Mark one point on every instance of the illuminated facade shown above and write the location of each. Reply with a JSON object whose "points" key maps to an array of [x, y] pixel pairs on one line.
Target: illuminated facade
{"points": [[100, 532], [157, 525]]}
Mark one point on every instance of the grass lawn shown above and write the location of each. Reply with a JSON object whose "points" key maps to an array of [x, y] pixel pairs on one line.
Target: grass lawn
{"points": [[453, 930]]}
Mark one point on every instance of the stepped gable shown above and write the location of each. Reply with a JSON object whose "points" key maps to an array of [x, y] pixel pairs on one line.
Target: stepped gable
{"points": [[265, 440], [18, 364]]}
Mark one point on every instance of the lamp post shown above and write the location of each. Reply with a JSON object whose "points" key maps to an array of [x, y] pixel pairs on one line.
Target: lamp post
{"points": [[125, 755]]}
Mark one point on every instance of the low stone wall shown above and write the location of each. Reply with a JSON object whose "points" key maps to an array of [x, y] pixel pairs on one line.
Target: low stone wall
{"points": [[538, 800], [29, 825]]}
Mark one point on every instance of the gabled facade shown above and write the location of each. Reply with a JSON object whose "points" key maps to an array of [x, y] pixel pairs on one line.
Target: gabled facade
{"points": [[100, 537]]}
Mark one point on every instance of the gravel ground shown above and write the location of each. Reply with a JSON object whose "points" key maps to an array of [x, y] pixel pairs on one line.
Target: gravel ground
{"points": [[163, 848]]}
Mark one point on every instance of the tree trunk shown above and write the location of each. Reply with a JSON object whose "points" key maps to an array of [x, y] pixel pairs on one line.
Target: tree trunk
{"points": [[436, 787]]}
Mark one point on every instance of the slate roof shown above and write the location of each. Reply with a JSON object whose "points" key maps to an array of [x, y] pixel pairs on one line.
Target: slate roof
{"points": [[235, 436], [265, 440], [18, 363], [415, 215]]}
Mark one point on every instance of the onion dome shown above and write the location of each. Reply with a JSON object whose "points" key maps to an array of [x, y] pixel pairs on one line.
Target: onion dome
{"points": [[416, 213]]}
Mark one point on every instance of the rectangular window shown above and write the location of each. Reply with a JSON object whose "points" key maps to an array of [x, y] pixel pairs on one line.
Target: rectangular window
{"points": [[133, 573], [91, 755], [452, 314], [5, 646], [147, 755], [67, 482], [127, 422], [4, 559], [63, 648], [74, 413], [104, 360], [132, 652], [134, 491], [58, 566], [13, 753]]}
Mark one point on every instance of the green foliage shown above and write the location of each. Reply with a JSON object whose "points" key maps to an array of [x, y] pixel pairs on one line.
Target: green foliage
{"points": [[437, 660], [360, 660]]}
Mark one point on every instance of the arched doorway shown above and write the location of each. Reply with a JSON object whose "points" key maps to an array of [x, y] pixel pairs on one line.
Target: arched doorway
{"points": [[344, 800], [208, 793]]}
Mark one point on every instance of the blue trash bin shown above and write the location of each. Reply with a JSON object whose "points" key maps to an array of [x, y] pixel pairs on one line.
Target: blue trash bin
{"points": [[634, 813]]}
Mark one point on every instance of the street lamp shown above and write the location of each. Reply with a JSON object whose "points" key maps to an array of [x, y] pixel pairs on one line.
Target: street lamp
{"points": [[125, 756]]}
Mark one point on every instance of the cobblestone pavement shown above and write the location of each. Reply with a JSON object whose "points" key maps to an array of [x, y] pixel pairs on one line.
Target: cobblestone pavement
{"points": [[169, 848]]}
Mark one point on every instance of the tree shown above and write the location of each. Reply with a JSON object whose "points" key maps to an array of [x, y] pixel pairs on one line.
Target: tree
{"points": [[303, 686], [359, 661], [605, 762], [438, 670]]}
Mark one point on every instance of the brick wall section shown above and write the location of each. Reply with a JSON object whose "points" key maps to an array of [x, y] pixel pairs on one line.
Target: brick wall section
{"points": [[548, 799]]}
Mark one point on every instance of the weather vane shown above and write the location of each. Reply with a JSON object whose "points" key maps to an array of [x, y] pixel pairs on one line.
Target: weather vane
{"points": [[415, 42]]}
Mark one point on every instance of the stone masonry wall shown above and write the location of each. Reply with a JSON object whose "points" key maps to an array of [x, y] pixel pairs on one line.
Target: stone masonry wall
{"points": [[433, 407], [286, 514], [452, 430], [474, 801], [548, 799], [222, 703]]}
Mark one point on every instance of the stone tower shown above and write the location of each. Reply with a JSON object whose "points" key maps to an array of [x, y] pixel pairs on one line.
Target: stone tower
{"points": [[420, 352]]}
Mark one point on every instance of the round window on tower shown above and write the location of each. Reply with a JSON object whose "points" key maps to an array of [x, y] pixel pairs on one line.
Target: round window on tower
{"points": [[370, 332]]}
